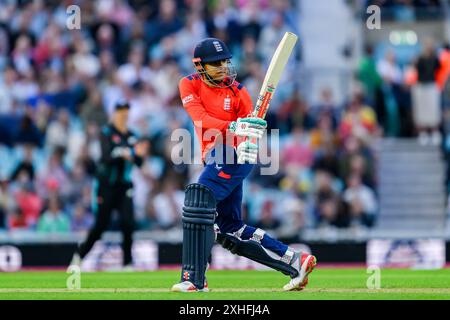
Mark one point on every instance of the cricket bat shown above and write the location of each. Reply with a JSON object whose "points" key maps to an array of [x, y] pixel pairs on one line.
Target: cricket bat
{"points": [[274, 73]]}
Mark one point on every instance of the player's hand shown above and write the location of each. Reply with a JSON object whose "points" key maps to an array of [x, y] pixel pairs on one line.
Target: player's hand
{"points": [[247, 152], [141, 148], [121, 152], [248, 127], [127, 154]]}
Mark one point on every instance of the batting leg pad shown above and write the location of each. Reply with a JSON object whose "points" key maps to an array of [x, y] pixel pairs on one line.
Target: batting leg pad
{"points": [[199, 213], [254, 251]]}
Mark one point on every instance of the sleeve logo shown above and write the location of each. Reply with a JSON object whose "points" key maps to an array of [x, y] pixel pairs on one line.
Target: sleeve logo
{"points": [[187, 99]]}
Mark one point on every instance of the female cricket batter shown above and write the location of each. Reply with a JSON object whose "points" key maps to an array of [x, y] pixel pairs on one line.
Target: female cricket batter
{"points": [[220, 107]]}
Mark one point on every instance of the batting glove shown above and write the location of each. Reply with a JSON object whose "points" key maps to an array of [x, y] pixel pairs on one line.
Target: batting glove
{"points": [[247, 152], [248, 127]]}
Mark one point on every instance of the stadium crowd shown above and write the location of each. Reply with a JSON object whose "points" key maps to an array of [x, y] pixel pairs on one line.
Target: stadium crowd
{"points": [[59, 86]]}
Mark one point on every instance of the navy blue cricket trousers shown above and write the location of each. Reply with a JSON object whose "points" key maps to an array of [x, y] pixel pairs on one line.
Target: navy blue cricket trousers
{"points": [[225, 178]]}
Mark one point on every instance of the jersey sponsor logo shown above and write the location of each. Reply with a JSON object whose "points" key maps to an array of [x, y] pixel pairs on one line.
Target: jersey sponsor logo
{"points": [[187, 99], [218, 46]]}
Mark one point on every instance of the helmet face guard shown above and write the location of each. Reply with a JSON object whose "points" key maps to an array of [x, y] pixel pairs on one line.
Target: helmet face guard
{"points": [[225, 82]]}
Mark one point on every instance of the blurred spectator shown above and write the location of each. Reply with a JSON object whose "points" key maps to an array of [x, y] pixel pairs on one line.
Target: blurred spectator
{"points": [[6, 90], [168, 204], [388, 69], [54, 177], [294, 113], [324, 134], [4, 47], [25, 166], [78, 181], [92, 110], [329, 208], [134, 71], [293, 221], [193, 32], [254, 78], [444, 70], [22, 54], [166, 23], [149, 221], [17, 220], [86, 160], [42, 115], [248, 55], [2, 219], [29, 204], [356, 159], [58, 131], [361, 201], [391, 74], [5, 202], [267, 219], [358, 120], [426, 98], [271, 35], [105, 35], [28, 133], [297, 151], [326, 160], [145, 180], [53, 219], [326, 107], [85, 63], [367, 73], [82, 219]]}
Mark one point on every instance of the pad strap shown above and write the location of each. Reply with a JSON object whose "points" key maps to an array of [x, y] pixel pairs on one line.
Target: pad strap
{"points": [[258, 235], [288, 256]]}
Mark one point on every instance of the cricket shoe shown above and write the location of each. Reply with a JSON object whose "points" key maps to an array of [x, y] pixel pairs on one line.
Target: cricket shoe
{"points": [[305, 265], [187, 286]]}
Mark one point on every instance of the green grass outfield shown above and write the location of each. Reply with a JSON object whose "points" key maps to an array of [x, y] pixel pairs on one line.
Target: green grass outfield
{"points": [[324, 284]]}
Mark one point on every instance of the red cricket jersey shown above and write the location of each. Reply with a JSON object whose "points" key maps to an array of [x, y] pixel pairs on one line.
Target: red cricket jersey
{"points": [[214, 108]]}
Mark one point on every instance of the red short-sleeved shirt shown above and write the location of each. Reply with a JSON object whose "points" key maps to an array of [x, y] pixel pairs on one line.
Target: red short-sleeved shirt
{"points": [[214, 108]]}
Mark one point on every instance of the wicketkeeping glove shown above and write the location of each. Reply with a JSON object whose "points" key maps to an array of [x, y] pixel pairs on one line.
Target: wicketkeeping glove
{"points": [[248, 127], [247, 152]]}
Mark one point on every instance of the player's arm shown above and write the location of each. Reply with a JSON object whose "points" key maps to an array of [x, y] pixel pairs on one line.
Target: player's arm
{"points": [[137, 159], [139, 151], [196, 110]]}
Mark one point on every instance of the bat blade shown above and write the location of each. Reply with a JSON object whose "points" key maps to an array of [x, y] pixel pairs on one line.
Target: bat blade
{"points": [[273, 74]]}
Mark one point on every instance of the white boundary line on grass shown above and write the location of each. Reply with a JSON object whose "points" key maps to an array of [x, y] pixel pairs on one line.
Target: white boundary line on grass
{"points": [[164, 290]]}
